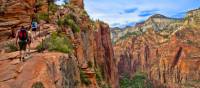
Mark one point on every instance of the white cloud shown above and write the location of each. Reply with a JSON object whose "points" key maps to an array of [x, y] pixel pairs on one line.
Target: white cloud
{"points": [[112, 11]]}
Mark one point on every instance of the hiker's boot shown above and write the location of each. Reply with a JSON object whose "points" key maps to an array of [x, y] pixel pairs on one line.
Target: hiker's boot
{"points": [[23, 59]]}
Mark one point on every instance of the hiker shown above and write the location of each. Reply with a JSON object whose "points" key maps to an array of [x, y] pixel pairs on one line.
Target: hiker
{"points": [[34, 27], [29, 41], [21, 41]]}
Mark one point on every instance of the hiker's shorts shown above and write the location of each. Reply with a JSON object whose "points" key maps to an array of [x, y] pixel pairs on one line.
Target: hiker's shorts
{"points": [[22, 45], [34, 29]]}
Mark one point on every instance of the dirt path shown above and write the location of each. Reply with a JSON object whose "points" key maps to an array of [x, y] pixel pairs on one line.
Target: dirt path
{"points": [[37, 40], [10, 65]]}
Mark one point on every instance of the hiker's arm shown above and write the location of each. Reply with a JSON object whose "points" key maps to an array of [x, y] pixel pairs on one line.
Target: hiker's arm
{"points": [[16, 36]]}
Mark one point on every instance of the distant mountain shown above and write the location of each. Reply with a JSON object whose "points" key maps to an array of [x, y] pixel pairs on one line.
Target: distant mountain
{"points": [[167, 51], [158, 22]]}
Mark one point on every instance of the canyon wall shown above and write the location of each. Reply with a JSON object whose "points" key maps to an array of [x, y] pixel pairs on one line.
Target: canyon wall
{"points": [[170, 61], [92, 56]]}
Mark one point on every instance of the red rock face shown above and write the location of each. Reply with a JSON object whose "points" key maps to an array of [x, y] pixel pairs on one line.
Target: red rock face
{"points": [[16, 13], [13, 14], [105, 54], [47, 68], [90, 45], [95, 46], [173, 63]]}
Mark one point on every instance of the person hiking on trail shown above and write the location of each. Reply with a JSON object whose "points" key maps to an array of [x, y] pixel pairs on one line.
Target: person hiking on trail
{"points": [[34, 27], [21, 41], [30, 40]]}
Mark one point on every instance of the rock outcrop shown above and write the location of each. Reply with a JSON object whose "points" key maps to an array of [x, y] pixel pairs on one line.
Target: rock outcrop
{"points": [[52, 70], [170, 61], [16, 13], [193, 17], [157, 22], [91, 60], [78, 3]]}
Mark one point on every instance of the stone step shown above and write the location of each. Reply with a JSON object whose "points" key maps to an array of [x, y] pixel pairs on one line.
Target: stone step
{"points": [[9, 23]]}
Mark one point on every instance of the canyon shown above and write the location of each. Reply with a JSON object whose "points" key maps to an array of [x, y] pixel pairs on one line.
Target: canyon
{"points": [[71, 50], [89, 62], [169, 57]]}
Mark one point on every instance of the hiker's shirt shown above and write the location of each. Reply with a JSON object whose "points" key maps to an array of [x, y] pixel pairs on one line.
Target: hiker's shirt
{"points": [[18, 34], [34, 25]]}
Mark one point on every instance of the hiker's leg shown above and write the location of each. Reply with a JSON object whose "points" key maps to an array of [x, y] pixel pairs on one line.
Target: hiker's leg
{"points": [[25, 51], [29, 48], [23, 55], [20, 53]]}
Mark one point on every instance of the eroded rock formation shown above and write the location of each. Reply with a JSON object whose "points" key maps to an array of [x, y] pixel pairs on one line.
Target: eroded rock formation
{"points": [[170, 61], [92, 54]]}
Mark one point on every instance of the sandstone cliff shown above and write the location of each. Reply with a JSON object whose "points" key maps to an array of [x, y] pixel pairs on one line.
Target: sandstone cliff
{"points": [[170, 60], [87, 63]]}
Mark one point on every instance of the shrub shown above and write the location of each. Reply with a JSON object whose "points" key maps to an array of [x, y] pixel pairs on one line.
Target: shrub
{"points": [[42, 16], [138, 81], [89, 63], [53, 7], [38, 85], [84, 78], [12, 47], [75, 28], [190, 42], [60, 22], [56, 42]]}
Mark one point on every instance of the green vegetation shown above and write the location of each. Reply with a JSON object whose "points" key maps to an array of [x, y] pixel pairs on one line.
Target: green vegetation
{"points": [[99, 76], [84, 13], [70, 21], [60, 22], [190, 42], [56, 42], [38, 3], [75, 28], [12, 47], [38, 85], [53, 7], [100, 79], [84, 78], [42, 16], [138, 81], [89, 63], [129, 34]]}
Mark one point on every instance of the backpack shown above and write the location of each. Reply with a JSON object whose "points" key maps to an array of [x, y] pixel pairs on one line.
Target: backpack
{"points": [[23, 35], [34, 25]]}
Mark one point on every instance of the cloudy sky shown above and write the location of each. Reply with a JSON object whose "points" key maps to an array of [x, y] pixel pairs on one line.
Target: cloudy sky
{"points": [[119, 13]]}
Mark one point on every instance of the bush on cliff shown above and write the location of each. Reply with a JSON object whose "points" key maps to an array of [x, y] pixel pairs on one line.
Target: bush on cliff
{"points": [[138, 81], [38, 85], [84, 78], [53, 7], [56, 42], [42, 16], [70, 21], [12, 47]]}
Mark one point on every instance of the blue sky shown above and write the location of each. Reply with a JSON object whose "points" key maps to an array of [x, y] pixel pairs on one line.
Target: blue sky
{"points": [[119, 13]]}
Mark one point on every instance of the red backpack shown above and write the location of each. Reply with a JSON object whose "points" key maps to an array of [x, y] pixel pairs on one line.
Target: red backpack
{"points": [[23, 35]]}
